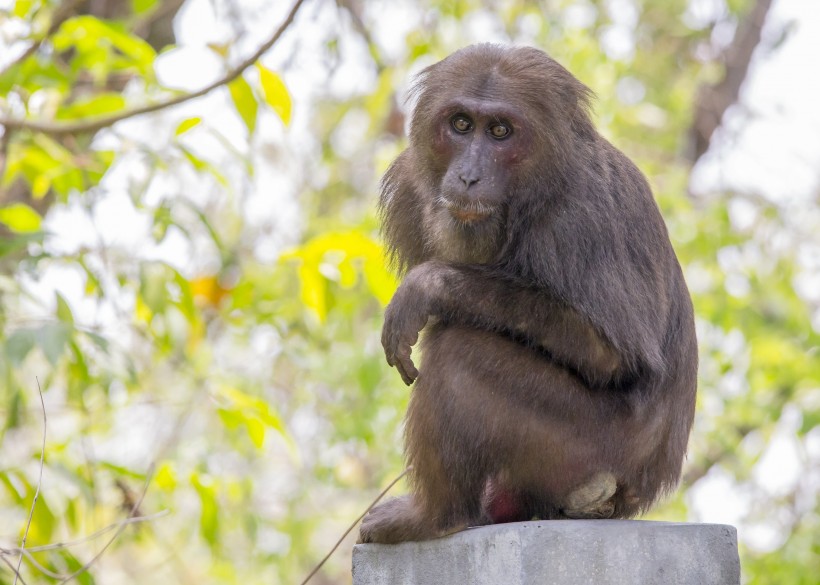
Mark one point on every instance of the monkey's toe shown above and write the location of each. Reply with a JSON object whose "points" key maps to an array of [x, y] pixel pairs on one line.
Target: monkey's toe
{"points": [[600, 512], [592, 499]]}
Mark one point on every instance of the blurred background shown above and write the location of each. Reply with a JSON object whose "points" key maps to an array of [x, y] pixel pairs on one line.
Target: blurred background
{"points": [[197, 291]]}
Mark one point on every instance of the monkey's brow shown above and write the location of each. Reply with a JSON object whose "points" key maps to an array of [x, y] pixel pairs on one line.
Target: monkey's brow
{"points": [[495, 110]]}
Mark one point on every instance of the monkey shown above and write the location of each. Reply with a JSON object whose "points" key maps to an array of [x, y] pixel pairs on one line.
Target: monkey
{"points": [[559, 357]]}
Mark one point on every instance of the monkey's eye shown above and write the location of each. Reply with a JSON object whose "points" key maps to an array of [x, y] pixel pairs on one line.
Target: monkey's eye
{"points": [[499, 131], [462, 124]]}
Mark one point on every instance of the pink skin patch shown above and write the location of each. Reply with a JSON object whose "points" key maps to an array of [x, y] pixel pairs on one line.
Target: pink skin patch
{"points": [[500, 504]]}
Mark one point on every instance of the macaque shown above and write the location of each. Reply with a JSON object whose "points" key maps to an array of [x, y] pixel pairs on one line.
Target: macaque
{"points": [[559, 358]]}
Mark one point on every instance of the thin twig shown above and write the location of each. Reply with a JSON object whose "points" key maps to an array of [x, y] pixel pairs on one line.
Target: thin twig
{"points": [[13, 570], [39, 482], [353, 525], [61, 545], [120, 529], [5, 142], [93, 125], [88, 538]]}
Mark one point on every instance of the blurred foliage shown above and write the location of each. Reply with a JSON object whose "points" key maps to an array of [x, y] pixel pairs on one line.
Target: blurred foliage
{"points": [[229, 356]]}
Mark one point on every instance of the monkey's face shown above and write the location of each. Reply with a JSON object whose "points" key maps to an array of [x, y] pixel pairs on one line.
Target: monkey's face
{"points": [[478, 146]]}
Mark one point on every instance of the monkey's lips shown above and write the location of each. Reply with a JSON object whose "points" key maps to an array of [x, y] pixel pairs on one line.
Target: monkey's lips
{"points": [[468, 215]]}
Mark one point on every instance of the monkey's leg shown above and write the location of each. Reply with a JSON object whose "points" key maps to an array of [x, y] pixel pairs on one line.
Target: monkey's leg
{"points": [[447, 476], [592, 499], [396, 520], [420, 517]]}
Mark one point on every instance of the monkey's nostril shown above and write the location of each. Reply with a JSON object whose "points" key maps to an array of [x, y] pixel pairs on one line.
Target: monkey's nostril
{"points": [[468, 181]]}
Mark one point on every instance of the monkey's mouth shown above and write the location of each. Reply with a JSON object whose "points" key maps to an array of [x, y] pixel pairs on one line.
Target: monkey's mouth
{"points": [[467, 213]]}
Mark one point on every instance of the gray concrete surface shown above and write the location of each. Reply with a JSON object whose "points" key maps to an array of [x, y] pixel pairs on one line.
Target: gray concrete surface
{"points": [[562, 552]]}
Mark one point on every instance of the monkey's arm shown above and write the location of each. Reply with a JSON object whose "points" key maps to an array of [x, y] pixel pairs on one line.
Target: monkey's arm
{"points": [[475, 296]]}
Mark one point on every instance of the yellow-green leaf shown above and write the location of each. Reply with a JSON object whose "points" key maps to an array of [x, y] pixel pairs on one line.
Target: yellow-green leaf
{"points": [[22, 8], [166, 477], [40, 186], [64, 313], [20, 218], [276, 93], [209, 509], [245, 102], [256, 431], [106, 103], [143, 6], [42, 523], [186, 125]]}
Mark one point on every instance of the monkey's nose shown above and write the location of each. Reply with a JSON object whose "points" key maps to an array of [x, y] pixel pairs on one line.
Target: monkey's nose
{"points": [[468, 180]]}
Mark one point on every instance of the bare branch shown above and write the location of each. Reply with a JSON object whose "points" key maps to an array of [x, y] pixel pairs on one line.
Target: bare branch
{"points": [[95, 124], [37, 489], [713, 100]]}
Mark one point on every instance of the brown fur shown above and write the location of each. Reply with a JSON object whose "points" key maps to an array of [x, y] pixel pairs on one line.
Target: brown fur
{"points": [[559, 355]]}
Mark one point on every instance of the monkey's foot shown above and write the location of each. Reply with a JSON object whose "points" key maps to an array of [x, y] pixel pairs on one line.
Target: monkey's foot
{"points": [[398, 520], [592, 500]]}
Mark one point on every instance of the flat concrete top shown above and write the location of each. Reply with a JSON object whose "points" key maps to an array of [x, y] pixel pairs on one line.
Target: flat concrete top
{"points": [[560, 552]]}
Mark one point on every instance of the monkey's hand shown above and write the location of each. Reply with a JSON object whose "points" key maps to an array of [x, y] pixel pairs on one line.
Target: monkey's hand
{"points": [[405, 317]]}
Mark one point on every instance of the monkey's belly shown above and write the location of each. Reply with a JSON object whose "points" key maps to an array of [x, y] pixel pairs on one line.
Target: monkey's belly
{"points": [[487, 400]]}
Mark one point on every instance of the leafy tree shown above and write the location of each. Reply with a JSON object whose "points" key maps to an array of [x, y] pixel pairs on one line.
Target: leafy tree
{"points": [[193, 278]]}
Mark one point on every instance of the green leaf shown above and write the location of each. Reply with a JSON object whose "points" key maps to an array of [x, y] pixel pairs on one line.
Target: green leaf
{"points": [[245, 102], [19, 344], [52, 339], [72, 565], [63, 310], [20, 218], [186, 125], [276, 93], [43, 522], [98, 340], [10, 245]]}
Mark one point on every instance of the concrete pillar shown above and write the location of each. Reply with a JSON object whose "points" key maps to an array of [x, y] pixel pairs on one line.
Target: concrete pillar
{"points": [[559, 552]]}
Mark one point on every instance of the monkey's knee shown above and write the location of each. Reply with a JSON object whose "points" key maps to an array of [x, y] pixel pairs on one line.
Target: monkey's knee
{"points": [[592, 499]]}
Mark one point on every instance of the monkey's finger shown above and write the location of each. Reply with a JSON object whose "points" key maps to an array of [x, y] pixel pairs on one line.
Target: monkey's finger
{"points": [[405, 377], [407, 370]]}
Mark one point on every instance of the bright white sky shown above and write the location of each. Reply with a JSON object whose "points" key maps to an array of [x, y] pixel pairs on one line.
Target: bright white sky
{"points": [[777, 152]]}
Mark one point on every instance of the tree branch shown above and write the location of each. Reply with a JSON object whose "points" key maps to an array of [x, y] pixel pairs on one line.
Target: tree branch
{"points": [[63, 13], [95, 124], [713, 100]]}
